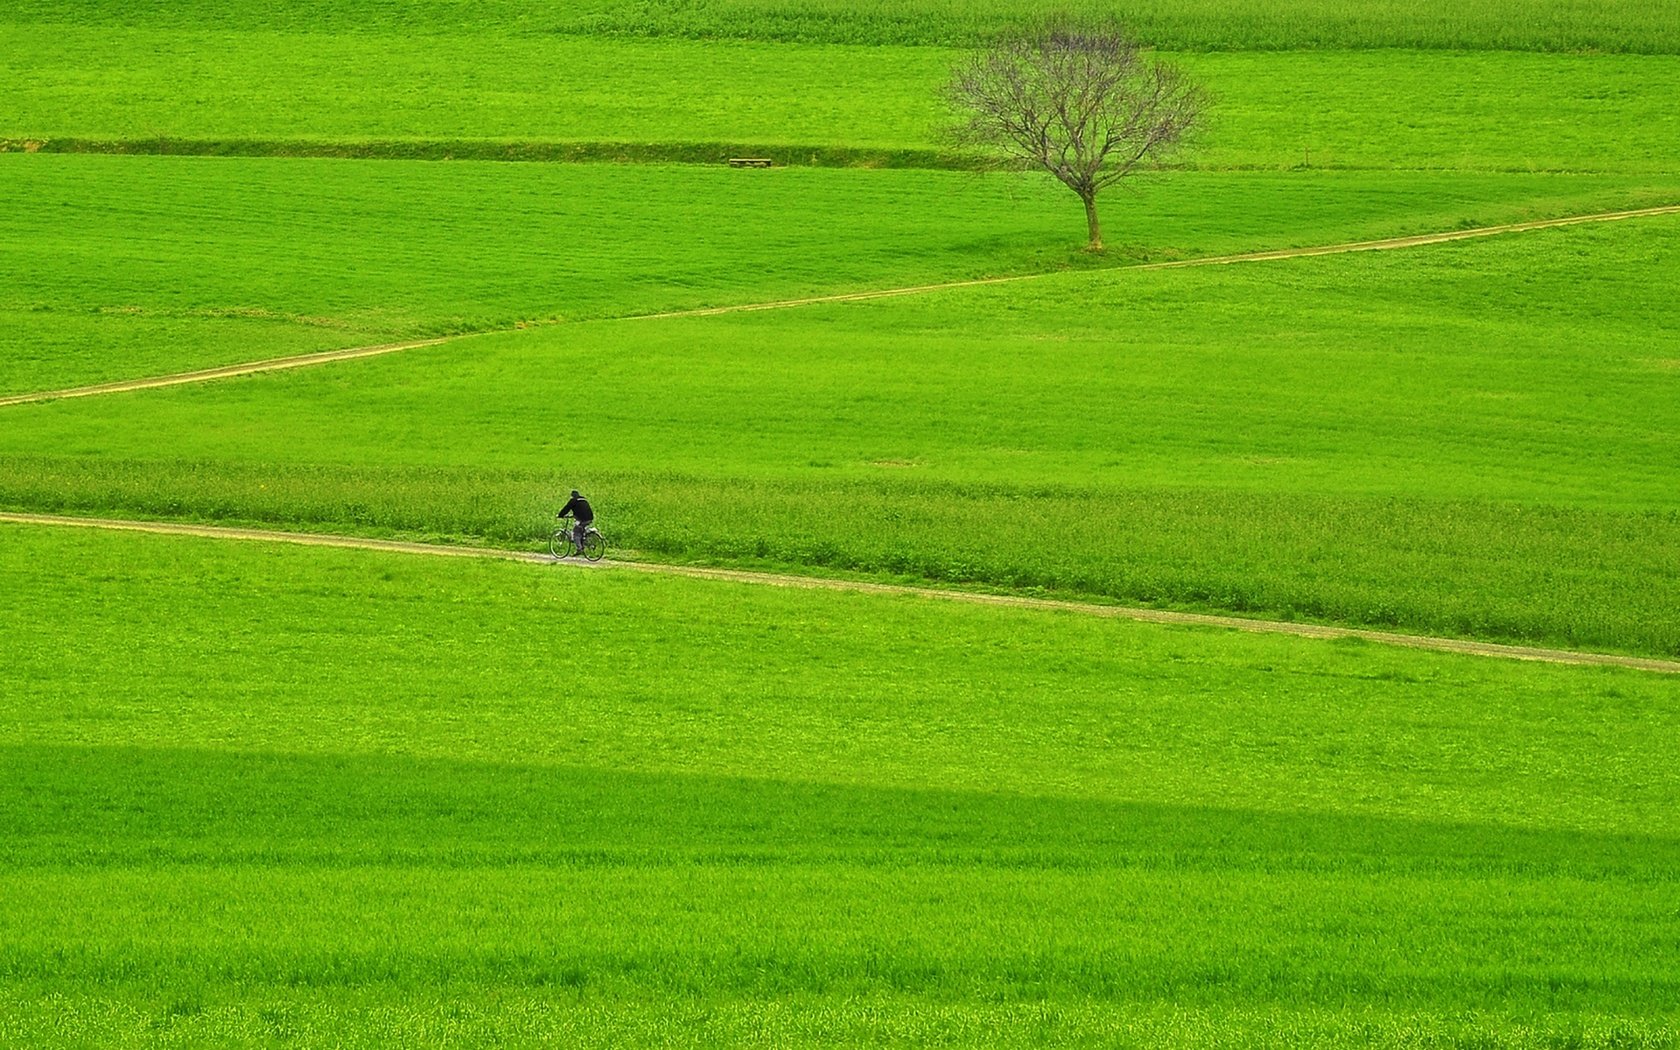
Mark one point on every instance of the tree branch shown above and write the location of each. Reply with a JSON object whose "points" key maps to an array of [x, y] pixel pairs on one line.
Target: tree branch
{"points": [[1082, 102]]}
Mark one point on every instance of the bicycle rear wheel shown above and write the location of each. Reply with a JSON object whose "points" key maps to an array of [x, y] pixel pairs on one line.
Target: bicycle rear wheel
{"points": [[560, 544], [594, 546]]}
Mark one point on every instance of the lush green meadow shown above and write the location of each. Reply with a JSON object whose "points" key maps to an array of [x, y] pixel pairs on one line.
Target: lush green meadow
{"points": [[1494, 457], [615, 808], [1517, 84], [256, 794], [173, 263]]}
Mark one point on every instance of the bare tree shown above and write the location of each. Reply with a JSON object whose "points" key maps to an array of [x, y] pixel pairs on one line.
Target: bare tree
{"points": [[1083, 102]]}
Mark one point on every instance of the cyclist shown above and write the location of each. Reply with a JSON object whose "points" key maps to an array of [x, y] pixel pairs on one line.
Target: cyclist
{"points": [[578, 507]]}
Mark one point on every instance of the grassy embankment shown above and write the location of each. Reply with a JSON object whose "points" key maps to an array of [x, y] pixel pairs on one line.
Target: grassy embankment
{"points": [[611, 808], [1355, 438]]}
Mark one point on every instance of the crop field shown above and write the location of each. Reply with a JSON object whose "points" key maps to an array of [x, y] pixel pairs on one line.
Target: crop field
{"points": [[739, 814], [254, 793]]}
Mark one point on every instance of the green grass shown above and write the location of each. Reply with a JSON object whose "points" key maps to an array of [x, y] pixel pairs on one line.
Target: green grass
{"points": [[1595, 25], [255, 794], [132, 266], [257, 92], [49, 347], [1543, 25], [1480, 569], [1470, 438], [480, 799]]}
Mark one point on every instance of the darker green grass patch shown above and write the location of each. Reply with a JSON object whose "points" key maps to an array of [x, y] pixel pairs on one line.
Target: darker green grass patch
{"points": [[495, 840], [108, 808]]}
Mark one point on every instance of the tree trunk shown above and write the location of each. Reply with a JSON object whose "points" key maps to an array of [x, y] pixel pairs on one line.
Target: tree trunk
{"points": [[1096, 244]]}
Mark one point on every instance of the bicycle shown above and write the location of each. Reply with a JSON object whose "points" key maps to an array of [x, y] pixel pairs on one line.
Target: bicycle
{"points": [[563, 544]]}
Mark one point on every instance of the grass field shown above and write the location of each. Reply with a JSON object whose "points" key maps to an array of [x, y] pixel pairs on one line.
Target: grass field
{"points": [[1506, 25], [651, 833], [267, 93], [1056, 433], [176, 263], [254, 795]]}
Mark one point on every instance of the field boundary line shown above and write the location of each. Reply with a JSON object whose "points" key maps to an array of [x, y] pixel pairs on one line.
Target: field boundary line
{"points": [[352, 353], [829, 583]]}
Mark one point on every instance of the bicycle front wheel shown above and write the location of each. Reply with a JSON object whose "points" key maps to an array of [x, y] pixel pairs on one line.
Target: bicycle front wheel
{"points": [[594, 546], [560, 544]]}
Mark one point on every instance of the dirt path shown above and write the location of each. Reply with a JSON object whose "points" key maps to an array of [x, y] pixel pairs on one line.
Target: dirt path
{"points": [[1386, 244], [204, 375], [303, 360], [1450, 645]]}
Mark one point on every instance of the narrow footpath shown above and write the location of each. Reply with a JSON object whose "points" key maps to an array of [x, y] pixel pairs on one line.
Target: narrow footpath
{"points": [[1159, 616], [277, 364]]}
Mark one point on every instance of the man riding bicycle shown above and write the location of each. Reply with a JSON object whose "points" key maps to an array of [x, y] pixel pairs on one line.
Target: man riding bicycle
{"points": [[578, 507]]}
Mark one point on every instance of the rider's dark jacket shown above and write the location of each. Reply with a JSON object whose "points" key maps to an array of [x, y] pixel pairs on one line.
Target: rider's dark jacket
{"points": [[579, 508]]}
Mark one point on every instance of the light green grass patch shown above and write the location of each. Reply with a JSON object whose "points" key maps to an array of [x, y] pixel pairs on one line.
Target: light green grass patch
{"points": [[1219, 25], [377, 790], [1546, 25], [51, 348], [131, 266], [1384, 109]]}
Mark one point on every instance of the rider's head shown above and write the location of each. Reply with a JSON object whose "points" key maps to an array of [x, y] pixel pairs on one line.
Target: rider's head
{"points": [[575, 493]]}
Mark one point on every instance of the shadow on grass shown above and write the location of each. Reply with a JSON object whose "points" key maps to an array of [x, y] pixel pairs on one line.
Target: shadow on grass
{"points": [[148, 870], [98, 806]]}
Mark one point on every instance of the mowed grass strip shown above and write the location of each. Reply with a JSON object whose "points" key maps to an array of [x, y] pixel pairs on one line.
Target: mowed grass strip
{"points": [[1465, 439], [136, 266], [325, 784], [1220, 25], [700, 100]]}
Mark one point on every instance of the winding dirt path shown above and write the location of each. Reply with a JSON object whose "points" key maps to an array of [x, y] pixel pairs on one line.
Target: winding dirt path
{"points": [[352, 353], [1160, 616]]}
